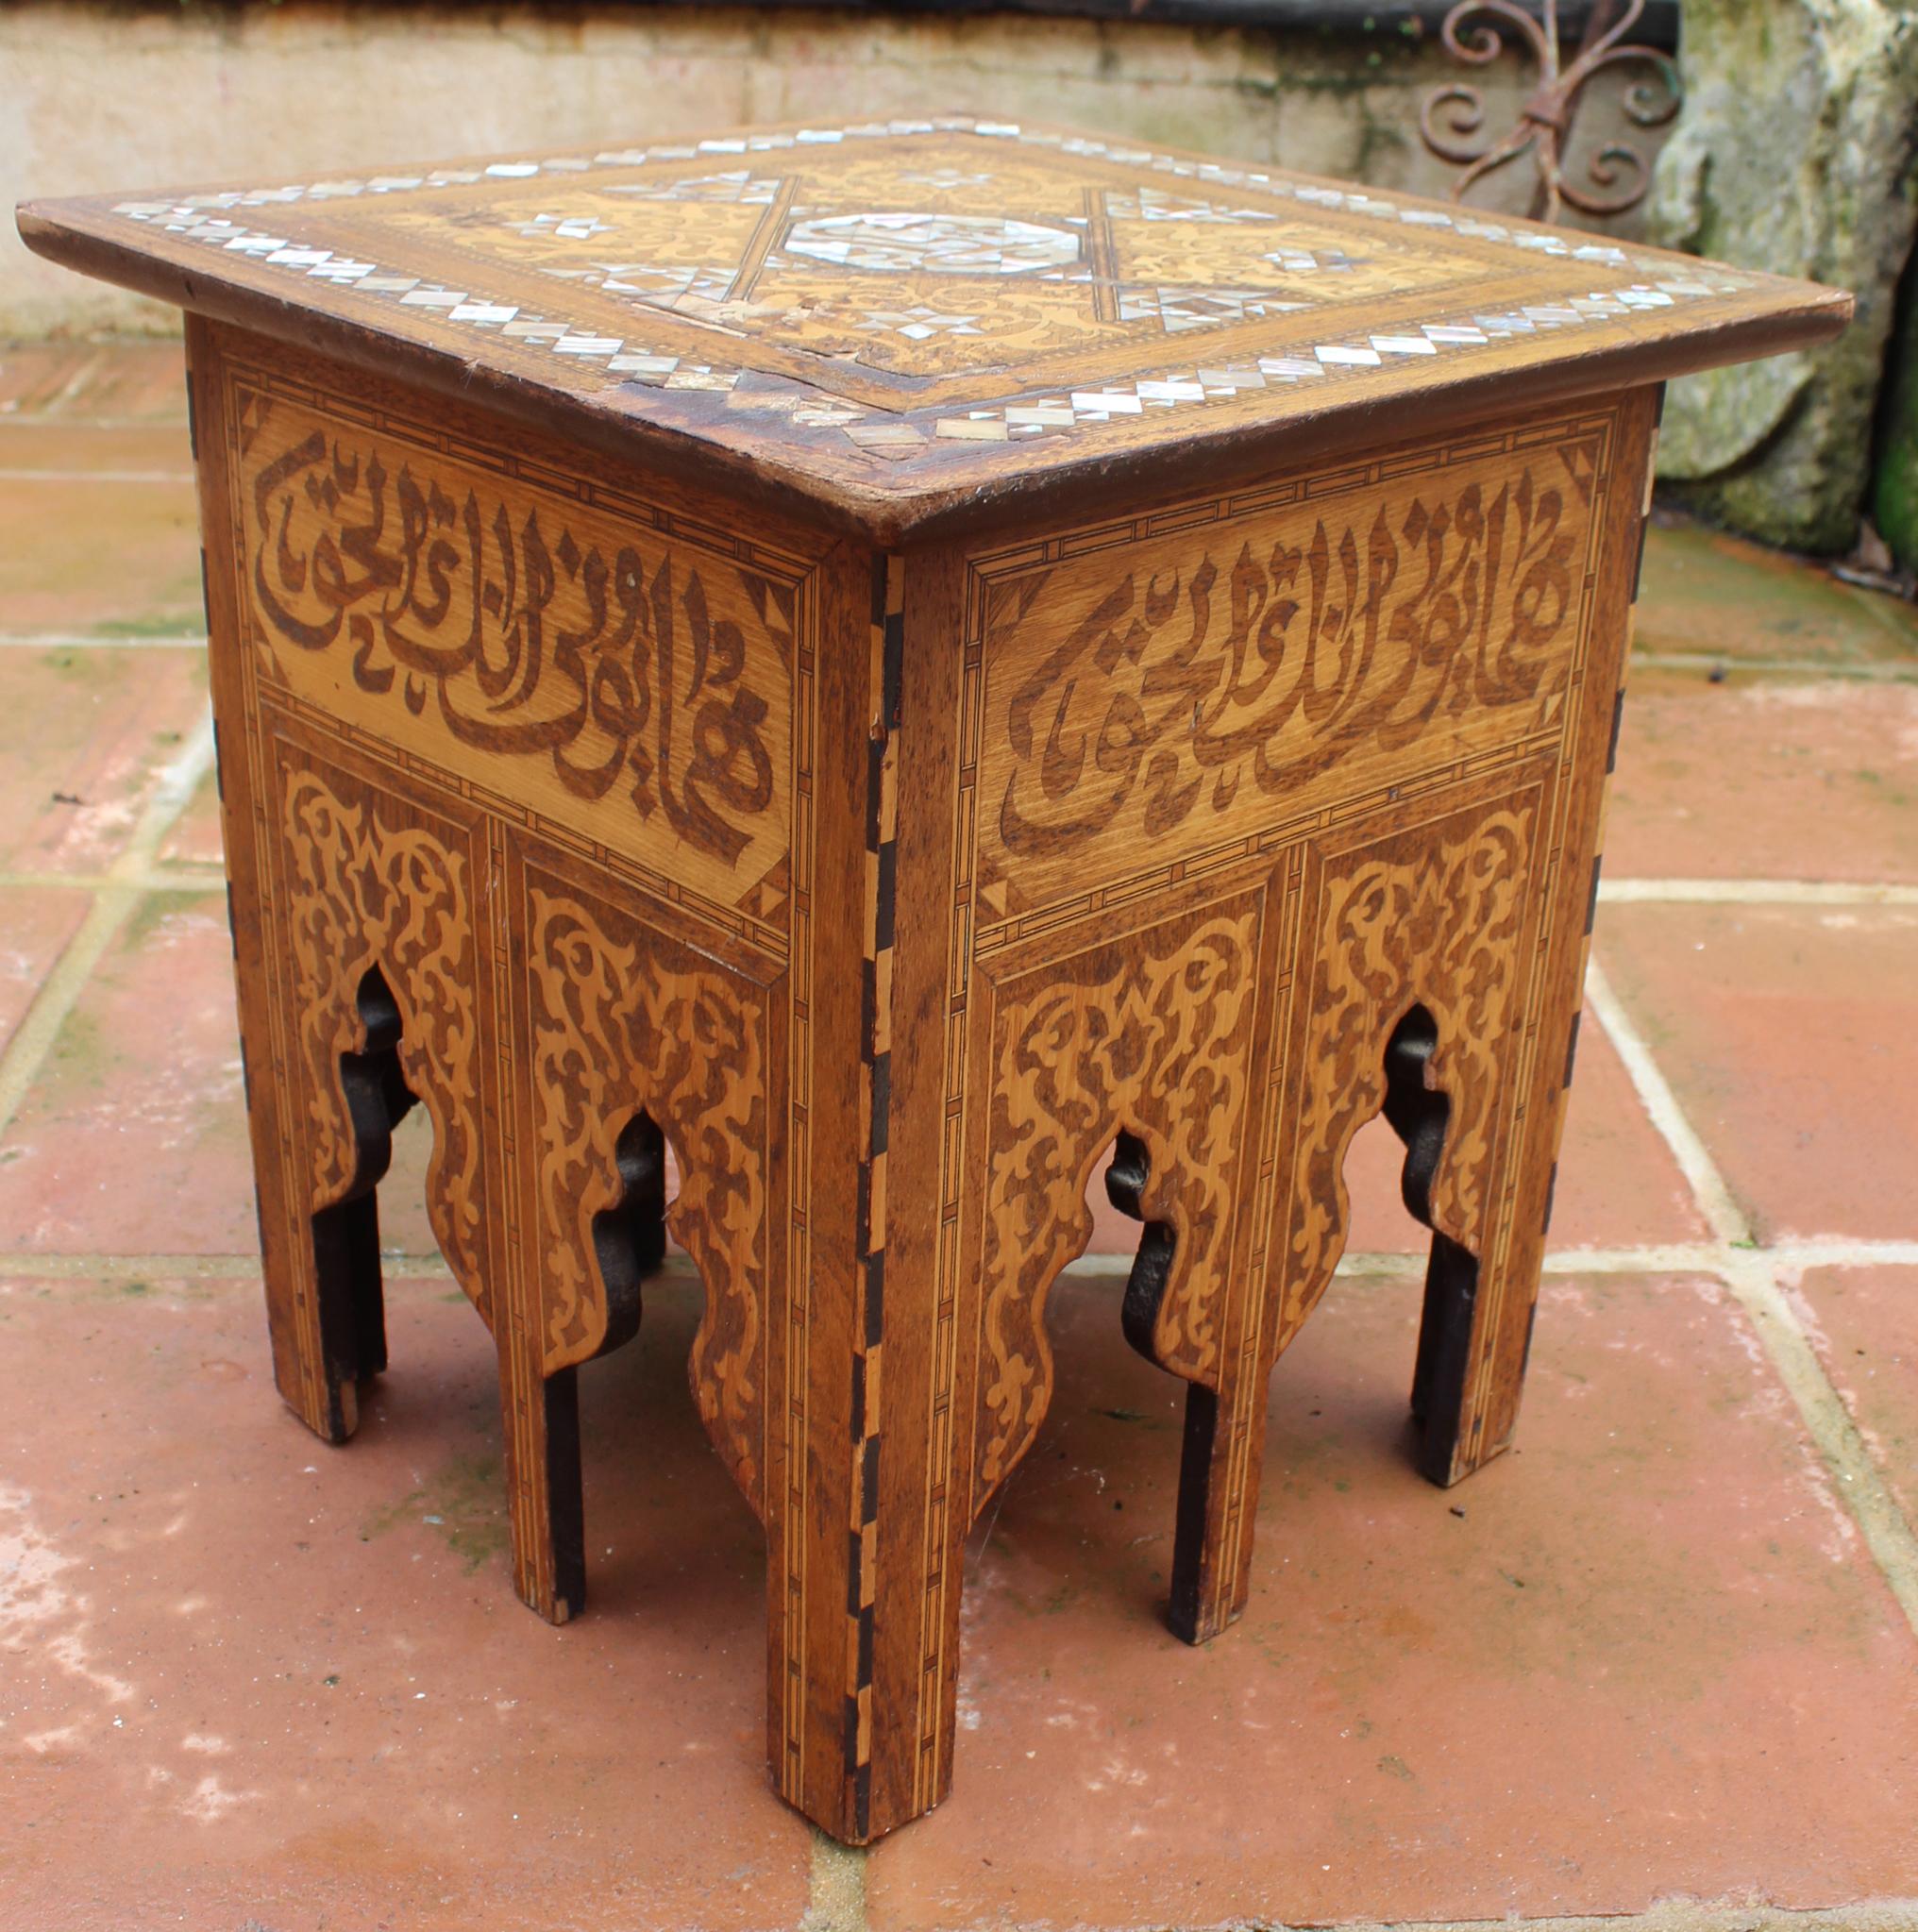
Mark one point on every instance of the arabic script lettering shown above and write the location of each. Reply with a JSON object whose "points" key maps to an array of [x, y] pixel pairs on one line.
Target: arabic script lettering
{"points": [[612, 657]]}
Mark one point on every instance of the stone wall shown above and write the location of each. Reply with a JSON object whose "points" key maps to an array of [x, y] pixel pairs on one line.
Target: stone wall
{"points": [[1796, 154], [95, 97]]}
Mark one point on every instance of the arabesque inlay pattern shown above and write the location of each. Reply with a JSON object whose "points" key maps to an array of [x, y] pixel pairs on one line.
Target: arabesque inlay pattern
{"points": [[625, 1018], [373, 884], [1151, 1034], [1436, 915]]}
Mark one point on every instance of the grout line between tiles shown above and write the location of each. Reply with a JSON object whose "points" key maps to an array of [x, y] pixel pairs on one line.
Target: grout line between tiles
{"points": [[49, 419], [115, 899], [1885, 1915], [1880, 616], [1753, 892], [1884, 672], [83, 475], [836, 1890], [1758, 1280], [1722, 1215], [1668, 1258], [207, 878], [73, 640], [76, 640], [24, 1262]]}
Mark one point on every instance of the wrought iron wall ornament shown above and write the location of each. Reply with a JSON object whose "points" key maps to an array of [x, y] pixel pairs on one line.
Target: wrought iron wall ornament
{"points": [[1619, 175]]}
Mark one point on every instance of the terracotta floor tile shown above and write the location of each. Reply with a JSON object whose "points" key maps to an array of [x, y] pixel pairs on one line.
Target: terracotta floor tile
{"points": [[254, 1680], [1650, 1657], [43, 445], [133, 1139], [1704, 593], [1786, 1034], [58, 576], [196, 839], [1618, 1184], [35, 925], [134, 381], [84, 734], [1865, 1323], [1765, 778], [404, 1228]]}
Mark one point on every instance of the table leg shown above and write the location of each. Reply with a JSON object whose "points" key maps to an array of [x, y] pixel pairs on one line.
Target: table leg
{"points": [[351, 1295], [623, 1243], [629, 1034], [1149, 1042], [358, 992], [1224, 1429], [326, 1303], [1419, 1114], [540, 1415]]}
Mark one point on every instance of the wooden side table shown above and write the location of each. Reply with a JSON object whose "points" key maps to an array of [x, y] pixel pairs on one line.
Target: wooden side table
{"points": [[911, 663]]}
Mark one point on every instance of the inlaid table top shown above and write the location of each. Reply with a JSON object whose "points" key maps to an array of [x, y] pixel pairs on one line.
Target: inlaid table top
{"points": [[902, 319]]}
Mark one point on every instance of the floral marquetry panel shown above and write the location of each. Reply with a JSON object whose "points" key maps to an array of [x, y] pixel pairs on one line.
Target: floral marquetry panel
{"points": [[1431, 907], [1150, 1032], [375, 884], [624, 1019]]}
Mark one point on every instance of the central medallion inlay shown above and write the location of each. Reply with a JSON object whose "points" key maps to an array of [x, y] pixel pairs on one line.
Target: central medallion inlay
{"points": [[935, 244]]}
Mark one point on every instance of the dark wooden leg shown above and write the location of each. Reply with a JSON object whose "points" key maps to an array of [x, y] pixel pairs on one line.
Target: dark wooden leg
{"points": [[1224, 1433], [1445, 1357], [352, 1301], [326, 1301], [1218, 1485], [540, 1406], [540, 1414], [1419, 1114]]}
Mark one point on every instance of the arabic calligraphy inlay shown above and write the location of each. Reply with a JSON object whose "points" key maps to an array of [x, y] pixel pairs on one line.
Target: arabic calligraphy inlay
{"points": [[647, 683]]}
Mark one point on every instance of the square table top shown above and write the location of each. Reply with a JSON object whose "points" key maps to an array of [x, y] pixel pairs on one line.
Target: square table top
{"points": [[906, 320]]}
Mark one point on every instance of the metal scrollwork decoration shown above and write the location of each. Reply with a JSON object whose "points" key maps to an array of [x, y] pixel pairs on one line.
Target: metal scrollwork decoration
{"points": [[1619, 175]]}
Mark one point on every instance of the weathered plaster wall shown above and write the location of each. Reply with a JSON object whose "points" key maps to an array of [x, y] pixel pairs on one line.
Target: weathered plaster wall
{"points": [[95, 97]]}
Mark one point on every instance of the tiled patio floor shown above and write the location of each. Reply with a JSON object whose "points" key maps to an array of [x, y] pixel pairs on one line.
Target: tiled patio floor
{"points": [[1658, 1664]]}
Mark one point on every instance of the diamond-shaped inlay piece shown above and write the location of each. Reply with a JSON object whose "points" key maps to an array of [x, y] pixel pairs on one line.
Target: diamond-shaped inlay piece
{"points": [[566, 228], [919, 323], [934, 243]]}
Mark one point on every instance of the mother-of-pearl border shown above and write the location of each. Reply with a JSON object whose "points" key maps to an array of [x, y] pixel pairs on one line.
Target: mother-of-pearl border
{"points": [[209, 218]]}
